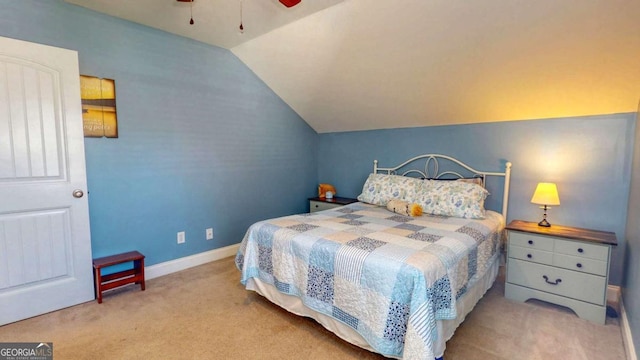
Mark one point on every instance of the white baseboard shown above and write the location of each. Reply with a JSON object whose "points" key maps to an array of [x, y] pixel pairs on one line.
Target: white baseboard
{"points": [[613, 296], [627, 339], [186, 262]]}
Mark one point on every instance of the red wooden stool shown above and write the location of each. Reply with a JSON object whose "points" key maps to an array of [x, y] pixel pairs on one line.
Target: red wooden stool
{"points": [[120, 278]]}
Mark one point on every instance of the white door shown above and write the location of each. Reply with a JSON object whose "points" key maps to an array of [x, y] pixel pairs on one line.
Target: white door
{"points": [[45, 244]]}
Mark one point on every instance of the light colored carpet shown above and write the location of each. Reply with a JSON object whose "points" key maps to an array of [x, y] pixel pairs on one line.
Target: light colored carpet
{"points": [[205, 313]]}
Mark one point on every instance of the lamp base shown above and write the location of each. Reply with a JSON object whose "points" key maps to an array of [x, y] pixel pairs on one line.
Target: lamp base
{"points": [[544, 223]]}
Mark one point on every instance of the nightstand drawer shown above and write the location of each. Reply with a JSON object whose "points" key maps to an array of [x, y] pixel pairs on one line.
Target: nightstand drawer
{"points": [[527, 240], [319, 206], [571, 284], [575, 248], [576, 263], [538, 256]]}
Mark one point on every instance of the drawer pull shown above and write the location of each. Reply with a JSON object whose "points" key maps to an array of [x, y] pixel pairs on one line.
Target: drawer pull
{"points": [[558, 281], [529, 256], [580, 250], [579, 265], [530, 242]]}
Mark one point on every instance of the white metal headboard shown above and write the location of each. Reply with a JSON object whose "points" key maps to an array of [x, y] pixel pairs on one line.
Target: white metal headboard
{"points": [[431, 172]]}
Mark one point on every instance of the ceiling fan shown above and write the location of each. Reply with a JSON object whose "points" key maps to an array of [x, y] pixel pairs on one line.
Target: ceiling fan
{"points": [[287, 3]]}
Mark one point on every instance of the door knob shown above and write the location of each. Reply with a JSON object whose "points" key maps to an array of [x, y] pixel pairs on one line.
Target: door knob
{"points": [[77, 193]]}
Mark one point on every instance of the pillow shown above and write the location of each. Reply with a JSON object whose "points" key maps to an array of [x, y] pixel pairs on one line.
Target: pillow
{"points": [[445, 198], [380, 188], [473, 180], [452, 198]]}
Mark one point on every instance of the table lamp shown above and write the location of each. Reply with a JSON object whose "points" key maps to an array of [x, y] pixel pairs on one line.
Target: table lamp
{"points": [[546, 194]]}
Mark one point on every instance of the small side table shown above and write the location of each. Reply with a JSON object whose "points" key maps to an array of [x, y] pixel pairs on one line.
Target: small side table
{"points": [[563, 265], [120, 278], [319, 204]]}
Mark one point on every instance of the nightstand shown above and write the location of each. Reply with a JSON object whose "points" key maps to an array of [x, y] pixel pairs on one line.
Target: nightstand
{"points": [[319, 204], [560, 264]]}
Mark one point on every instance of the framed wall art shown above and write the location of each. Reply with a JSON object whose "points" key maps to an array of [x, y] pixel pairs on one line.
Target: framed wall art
{"points": [[99, 116]]}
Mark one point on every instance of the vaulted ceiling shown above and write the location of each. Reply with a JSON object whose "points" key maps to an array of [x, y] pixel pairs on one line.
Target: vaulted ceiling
{"points": [[362, 64]]}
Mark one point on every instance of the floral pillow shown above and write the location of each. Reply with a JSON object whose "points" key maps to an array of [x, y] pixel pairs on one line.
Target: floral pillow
{"points": [[452, 198], [380, 188], [445, 198]]}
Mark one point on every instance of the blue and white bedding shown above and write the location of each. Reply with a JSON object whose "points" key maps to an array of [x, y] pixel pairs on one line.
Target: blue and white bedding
{"points": [[387, 276]]}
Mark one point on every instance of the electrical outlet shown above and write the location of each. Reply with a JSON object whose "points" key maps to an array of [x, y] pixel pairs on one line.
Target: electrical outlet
{"points": [[210, 234], [181, 237]]}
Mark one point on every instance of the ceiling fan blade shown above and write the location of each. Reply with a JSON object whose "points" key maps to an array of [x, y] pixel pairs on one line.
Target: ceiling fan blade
{"points": [[290, 3]]}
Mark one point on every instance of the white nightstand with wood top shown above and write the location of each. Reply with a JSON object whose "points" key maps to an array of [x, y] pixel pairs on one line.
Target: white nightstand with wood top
{"points": [[560, 264], [319, 204]]}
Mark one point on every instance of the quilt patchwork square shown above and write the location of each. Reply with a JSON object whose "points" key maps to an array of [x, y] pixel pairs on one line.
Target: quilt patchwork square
{"points": [[239, 261], [474, 233], [349, 262], [425, 237], [320, 284], [360, 230], [342, 236], [440, 292], [302, 227], [400, 218], [408, 226], [281, 286], [345, 317], [398, 231], [397, 319], [264, 259], [285, 222], [473, 263], [461, 291], [323, 254], [350, 216], [355, 222], [365, 243]]}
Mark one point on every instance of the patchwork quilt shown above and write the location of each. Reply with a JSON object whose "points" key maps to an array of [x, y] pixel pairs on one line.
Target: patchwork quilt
{"points": [[388, 276]]}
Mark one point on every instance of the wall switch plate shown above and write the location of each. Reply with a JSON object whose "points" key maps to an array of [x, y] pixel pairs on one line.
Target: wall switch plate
{"points": [[181, 237], [210, 234]]}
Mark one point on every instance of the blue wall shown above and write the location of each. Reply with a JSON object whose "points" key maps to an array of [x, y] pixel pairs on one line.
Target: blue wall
{"points": [[588, 157], [203, 142]]}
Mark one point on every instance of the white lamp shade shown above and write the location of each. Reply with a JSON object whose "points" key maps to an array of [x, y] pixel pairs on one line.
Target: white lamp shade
{"points": [[546, 194]]}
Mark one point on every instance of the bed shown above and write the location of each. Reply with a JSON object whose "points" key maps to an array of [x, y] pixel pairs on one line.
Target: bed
{"points": [[394, 284]]}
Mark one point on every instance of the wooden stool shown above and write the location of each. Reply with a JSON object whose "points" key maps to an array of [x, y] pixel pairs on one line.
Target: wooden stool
{"points": [[120, 278]]}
